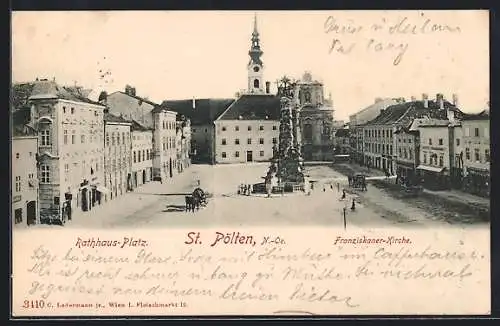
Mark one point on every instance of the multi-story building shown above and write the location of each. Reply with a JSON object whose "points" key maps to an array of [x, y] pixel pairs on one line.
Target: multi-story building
{"points": [[248, 130], [436, 153], [357, 122], [130, 106], [378, 134], [118, 148], [142, 154], [164, 144], [70, 148], [342, 146], [24, 182], [407, 142], [477, 152], [201, 113], [316, 120], [183, 141]]}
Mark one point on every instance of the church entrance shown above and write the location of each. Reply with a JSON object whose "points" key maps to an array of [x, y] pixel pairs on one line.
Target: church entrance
{"points": [[249, 156]]}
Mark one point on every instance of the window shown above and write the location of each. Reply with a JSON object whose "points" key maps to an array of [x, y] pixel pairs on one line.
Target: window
{"points": [[135, 157], [400, 152], [143, 155], [45, 173], [194, 130], [256, 83], [477, 156], [467, 132], [206, 130], [390, 133], [82, 139], [425, 158], [223, 128], [441, 163], [236, 154], [107, 139], [223, 141], [65, 137], [458, 141], [249, 128], [275, 128], [409, 140], [45, 134], [399, 140], [405, 154], [487, 155], [476, 132], [467, 153], [261, 141], [72, 110], [440, 141], [237, 141], [223, 154], [410, 152], [64, 109], [430, 141], [18, 184], [261, 153], [261, 127], [123, 138], [17, 155], [73, 137], [275, 140], [117, 138], [237, 128], [249, 141]]}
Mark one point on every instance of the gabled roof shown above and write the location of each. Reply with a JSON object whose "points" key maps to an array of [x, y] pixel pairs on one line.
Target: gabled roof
{"points": [[136, 126], [253, 107], [108, 117], [395, 113], [205, 111], [136, 97], [46, 89]]}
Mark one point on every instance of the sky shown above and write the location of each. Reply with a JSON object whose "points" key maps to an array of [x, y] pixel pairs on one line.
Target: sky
{"points": [[185, 54]]}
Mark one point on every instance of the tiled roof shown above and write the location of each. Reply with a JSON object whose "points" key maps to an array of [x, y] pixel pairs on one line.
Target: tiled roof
{"points": [[20, 123], [205, 112], [415, 109], [253, 107], [483, 115], [136, 126], [342, 133], [45, 89], [137, 98], [108, 117]]}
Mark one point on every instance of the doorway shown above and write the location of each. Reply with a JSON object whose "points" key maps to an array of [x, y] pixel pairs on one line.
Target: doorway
{"points": [[31, 212], [143, 176], [170, 168], [249, 156]]}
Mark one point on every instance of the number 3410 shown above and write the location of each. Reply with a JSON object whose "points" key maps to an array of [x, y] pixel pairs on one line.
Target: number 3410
{"points": [[33, 304]]}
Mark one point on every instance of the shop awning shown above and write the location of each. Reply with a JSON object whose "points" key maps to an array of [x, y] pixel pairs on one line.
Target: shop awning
{"points": [[103, 189], [430, 168]]}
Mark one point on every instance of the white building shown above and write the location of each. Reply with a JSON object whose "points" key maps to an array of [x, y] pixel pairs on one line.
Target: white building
{"points": [[24, 182], [70, 148], [164, 147], [142, 154]]}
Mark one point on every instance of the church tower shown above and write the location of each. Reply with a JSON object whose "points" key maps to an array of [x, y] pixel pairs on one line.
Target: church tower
{"points": [[255, 65]]}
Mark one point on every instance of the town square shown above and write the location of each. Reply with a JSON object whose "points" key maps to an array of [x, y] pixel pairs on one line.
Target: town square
{"points": [[281, 150]]}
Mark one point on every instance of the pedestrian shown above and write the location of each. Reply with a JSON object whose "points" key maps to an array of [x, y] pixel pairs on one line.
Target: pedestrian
{"points": [[353, 206], [244, 189], [343, 194], [331, 186], [338, 186], [312, 185], [250, 189], [324, 188]]}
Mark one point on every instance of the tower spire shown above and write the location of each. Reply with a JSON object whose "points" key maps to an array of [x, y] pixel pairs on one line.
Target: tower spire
{"points": [[255, 31]]}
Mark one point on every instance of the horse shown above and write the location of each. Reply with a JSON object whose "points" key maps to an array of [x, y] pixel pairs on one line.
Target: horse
{"points": [[200, 196], [189, 203]]}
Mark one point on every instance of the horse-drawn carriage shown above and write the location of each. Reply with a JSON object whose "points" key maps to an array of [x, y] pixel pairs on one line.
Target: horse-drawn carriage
{"points": [[357, 181], [197, 199]]}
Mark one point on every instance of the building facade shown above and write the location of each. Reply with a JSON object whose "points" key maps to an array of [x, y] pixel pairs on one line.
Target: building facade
{"points": [[24, 182], [342, 139], [118, 148], [407, 140], [183, 141], [164, 144], [142, 154], [477, 153], [130, 106], [316, 120], [70, 149]]}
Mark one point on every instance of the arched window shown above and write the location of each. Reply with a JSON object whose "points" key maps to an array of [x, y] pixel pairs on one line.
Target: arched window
{"points": [[308, 132], [256, 83]]}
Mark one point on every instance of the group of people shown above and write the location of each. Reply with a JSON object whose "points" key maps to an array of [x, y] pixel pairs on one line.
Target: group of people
{"points": [[245, 189]]}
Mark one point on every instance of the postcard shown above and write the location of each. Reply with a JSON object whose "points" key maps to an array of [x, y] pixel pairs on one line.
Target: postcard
{"points": [[201, 163]]}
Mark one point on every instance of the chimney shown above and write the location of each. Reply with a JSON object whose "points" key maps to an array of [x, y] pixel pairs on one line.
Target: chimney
{"points": [[425, 99], [194, 103], [268, 87], [413, 98], [440, 100], [455, 100]]}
